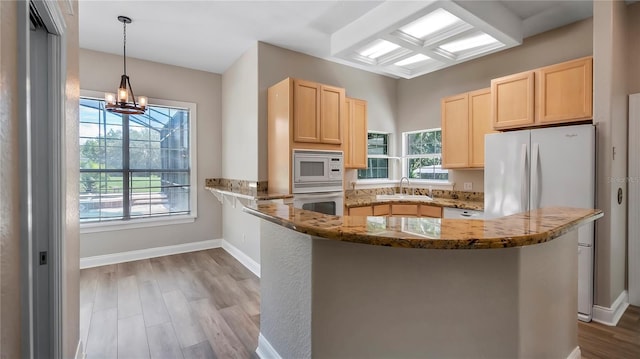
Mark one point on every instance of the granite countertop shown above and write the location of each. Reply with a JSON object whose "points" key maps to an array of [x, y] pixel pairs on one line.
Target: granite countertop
{"points": [[367, 200], [250, 193], [521, 229]]}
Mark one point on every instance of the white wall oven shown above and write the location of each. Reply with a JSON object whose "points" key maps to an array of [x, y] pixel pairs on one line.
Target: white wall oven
{"points": [[317, 181]]}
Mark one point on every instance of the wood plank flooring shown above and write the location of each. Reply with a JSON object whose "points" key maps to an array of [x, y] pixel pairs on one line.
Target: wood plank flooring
{"points": [[197, 305], [599, 341], [207, 305]]}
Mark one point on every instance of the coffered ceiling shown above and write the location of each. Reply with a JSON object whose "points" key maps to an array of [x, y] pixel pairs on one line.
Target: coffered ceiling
{"points": [[424, 36]]}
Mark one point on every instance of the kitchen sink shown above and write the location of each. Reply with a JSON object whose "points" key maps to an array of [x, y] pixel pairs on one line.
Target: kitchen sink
{"points": [[403, 197]]}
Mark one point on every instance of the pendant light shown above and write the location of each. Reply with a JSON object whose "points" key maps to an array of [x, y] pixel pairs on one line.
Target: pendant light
{"points": [[125, 101]]}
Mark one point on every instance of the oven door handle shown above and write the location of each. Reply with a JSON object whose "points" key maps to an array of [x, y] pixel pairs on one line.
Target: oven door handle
{"points": [[317, 196]]}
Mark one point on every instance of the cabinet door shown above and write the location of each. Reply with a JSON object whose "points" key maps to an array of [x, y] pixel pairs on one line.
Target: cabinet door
{"points": [[347, 143], [358, 134], [306, 111], [332, 112], [512, 100], [479, 125], [361, 211], [404, 209], [565, 92], [430, 211], [455, 131], [381, 210]]}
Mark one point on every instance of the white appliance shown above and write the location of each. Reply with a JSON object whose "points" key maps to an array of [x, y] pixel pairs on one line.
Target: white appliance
{"points": [[317, 171], [328, 202], [545, 167], [317, 181]]}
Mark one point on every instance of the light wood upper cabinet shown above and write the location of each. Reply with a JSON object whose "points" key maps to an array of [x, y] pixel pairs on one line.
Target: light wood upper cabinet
{"points": [[301, 115], [332, 108], [306, 111], [479, 125], [466, 118], [355, 134], [565, 92], [513, 100], [318, 112], [560, 93], [455, 131]]}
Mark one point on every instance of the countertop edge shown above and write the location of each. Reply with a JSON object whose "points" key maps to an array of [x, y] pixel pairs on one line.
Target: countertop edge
{"points": [[335, 233]]}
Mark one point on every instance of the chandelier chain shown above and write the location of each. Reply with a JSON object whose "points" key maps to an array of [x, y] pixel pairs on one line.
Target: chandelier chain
{"points": [[124, 45]]}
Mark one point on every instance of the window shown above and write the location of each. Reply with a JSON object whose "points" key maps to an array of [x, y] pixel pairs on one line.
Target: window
{"points": [[377, 156], [422, 151], [136, 166]]}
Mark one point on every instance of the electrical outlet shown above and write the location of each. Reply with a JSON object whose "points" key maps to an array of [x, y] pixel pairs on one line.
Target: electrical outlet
{"points": [[468, 186]]}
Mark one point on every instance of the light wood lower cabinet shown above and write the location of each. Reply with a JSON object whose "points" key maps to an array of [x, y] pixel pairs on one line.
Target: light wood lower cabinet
{"points": [[430, 211], [361, 211], [381, 210], [404, 209], [400, 210]]}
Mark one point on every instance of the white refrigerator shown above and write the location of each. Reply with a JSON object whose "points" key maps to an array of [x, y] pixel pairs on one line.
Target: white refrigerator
{"points": [[545, 167]]}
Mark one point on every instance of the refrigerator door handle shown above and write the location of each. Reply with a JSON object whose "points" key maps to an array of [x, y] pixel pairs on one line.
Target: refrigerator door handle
{"points": [[535, 193], [524, 200]]}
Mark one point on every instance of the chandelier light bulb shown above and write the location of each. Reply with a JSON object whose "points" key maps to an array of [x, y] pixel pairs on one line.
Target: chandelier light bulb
{"points": [[110, 98], [122, 95]]}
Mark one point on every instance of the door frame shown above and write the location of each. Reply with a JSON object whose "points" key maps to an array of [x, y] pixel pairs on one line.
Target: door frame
{"points": [[56, 26]]}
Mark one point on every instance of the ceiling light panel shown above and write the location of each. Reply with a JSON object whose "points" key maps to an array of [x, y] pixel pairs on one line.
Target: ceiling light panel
{"points": [[378, 48], [431, 23], [476, 40], [415, 59]]}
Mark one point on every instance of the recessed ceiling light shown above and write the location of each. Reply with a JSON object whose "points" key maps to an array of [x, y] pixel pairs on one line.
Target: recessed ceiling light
{"points": [[430, 23], [476, 40], [412, 60], [378, 48]]}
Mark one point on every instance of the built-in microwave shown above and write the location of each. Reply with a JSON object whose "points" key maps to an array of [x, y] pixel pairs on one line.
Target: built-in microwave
{"points": [[317, 171]]}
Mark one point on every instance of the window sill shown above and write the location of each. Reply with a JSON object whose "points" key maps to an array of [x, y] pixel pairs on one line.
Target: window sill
{"points": [[119, 225]]}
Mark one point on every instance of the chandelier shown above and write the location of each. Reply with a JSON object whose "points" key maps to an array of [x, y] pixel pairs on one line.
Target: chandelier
{"points": [[125, 101]]}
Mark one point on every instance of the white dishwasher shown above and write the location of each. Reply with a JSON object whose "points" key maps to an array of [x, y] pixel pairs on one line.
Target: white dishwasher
{"points": [[462, 213]]}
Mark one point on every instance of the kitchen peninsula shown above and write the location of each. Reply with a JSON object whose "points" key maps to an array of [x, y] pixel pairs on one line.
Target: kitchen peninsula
{"points": [[349, 286]]}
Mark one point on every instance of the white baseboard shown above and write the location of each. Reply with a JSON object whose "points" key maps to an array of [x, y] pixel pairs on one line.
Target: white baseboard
{"points": [[575, 354], [251, 265], [265, 350], [96, 261], [611, 316]]}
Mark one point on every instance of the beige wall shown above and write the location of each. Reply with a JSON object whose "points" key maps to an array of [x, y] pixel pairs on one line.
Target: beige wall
{"points": [[633, 48], [610, 114], [240, 149], [101, 72], [276, 63], [10, 306], [419, 98], [239, 113], [71, 247]]}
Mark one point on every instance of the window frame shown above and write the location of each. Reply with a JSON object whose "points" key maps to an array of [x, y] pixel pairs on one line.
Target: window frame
{"points": [[388, 157], [406, 157], [156, 220]]}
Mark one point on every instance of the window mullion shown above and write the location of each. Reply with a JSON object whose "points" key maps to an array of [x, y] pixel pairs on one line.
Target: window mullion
{"points": [[126, 171]]}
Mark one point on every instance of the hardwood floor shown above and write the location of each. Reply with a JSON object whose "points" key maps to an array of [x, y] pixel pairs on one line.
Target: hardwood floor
{"points": [[197, 305], [207, 305], [619, 342]]}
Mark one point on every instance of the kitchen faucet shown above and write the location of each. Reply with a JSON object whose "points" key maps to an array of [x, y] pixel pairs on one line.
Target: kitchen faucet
{"points": [[401, 179]]}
